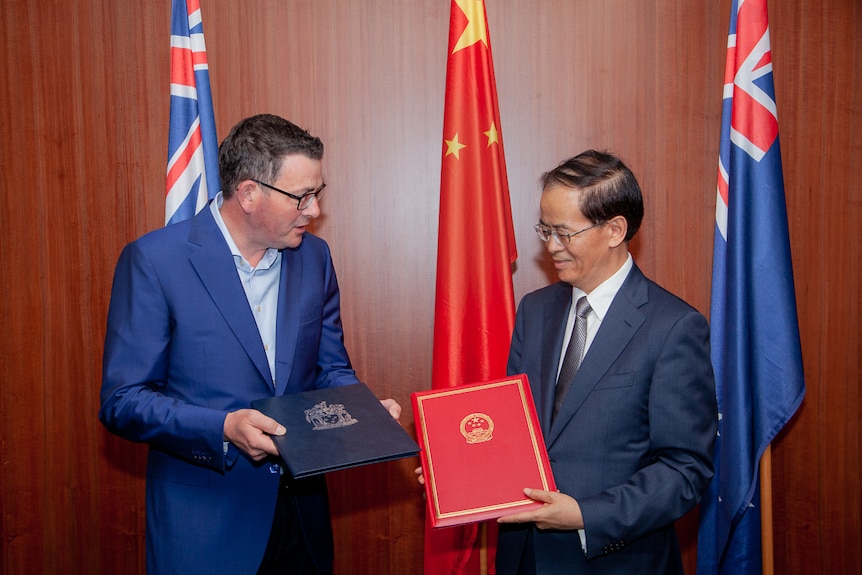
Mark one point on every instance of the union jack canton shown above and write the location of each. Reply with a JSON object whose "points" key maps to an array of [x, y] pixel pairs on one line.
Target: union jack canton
{"points": [[192, 171]]}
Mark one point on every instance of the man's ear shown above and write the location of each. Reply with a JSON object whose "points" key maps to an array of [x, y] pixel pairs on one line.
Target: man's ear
{"points": [[618, 227], [247, 195]]}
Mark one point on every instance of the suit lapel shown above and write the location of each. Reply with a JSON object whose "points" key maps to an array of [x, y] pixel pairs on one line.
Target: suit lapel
{"points": [[287, 321], [213, 264], [555, 318], [619, 326]]}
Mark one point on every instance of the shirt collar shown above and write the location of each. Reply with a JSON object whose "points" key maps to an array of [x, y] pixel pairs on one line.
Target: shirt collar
{"points": [[268, 259], [600, 299]]}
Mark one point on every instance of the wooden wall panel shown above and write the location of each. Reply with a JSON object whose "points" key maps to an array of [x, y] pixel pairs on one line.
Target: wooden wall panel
{"points": [[83, 113], [817, 58], [82, 123]]}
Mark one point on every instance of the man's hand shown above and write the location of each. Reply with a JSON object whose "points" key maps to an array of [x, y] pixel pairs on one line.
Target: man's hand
{"points": [[250, 430], [392, 407], [559, 512]]}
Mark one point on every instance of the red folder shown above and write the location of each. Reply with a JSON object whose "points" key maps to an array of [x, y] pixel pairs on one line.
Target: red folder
{"points": [[481, 445]]}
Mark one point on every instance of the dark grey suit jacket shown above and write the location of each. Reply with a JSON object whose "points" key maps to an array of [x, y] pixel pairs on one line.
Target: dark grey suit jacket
{"points": [[632, 442]]}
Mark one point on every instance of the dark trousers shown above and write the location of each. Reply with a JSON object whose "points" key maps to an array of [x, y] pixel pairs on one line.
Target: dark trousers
{"points": [[527, 566], [286, 551]]}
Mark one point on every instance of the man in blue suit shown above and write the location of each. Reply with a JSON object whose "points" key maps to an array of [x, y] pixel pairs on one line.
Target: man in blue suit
{"points": [[206, 315], [630, 425]]}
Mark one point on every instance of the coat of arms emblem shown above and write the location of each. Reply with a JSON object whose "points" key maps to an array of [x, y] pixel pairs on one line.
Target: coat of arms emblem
{"points": [[323, 416], [477, 428]]}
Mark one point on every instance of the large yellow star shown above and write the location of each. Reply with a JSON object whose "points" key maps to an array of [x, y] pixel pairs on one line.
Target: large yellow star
{"points": [[453, 146], [493, 135], [476, 29]]}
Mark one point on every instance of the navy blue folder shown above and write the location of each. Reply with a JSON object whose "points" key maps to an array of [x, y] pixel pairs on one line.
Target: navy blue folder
{"points": [[335, 428]]}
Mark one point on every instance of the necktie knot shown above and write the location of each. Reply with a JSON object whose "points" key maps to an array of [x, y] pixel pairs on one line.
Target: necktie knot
{"points": [[582, 308]]}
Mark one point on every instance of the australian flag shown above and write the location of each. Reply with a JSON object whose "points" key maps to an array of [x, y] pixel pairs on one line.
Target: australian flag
{"points": [[756, 351], [192, 175]]}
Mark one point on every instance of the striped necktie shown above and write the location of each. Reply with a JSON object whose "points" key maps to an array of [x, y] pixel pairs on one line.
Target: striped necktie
{"points": [[574, 354]]}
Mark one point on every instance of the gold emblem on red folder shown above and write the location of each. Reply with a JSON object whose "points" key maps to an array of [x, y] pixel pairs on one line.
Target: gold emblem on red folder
{"points": [[477, 428]]}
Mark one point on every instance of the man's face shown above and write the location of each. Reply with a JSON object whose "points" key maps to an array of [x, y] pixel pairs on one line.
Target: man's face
{"points": [[585, 261], [280, 224]]}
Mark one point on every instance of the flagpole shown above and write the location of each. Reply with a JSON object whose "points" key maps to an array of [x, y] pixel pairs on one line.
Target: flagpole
{"points": [[768, 555], [483, 549]]}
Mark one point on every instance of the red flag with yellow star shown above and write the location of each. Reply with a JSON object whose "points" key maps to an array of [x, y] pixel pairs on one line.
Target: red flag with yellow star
{"points": [[474, 308]]}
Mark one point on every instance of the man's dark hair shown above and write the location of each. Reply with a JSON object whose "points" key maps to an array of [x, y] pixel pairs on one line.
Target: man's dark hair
{"points": [[256, 146], [608, 187]]}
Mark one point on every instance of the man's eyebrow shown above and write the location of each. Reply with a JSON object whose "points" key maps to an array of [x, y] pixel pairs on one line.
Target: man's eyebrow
{"points": [[315, 190], [558, 227]]}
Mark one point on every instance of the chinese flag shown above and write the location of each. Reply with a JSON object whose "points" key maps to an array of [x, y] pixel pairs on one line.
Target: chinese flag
{"points": [[474, 307]]}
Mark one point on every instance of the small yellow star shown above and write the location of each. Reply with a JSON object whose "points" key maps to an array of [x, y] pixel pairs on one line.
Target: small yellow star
{"points": [[493, 135], [453, 146], [476, 29]]}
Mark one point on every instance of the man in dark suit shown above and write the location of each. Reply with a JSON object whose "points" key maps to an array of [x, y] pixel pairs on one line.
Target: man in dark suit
{"points": [[207, 315], [630, 422]]}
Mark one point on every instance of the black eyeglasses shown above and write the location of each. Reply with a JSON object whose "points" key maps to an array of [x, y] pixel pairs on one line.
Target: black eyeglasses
{"points": [[547, 232], [302, 201]]}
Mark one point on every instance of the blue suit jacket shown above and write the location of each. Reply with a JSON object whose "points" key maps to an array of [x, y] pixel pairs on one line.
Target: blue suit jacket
{"points": [[182, 349], [632, 442]]}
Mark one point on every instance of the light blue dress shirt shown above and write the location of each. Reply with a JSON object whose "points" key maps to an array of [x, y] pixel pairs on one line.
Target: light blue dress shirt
{"points": [[260, 284]]}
